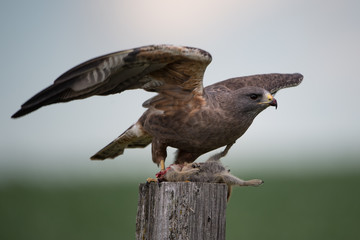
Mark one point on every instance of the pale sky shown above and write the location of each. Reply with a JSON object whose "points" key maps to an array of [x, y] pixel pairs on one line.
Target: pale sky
{"points": [[316, 124]]}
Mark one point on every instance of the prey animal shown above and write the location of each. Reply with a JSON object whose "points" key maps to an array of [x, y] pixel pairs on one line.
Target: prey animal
{"points": [[211, 171], [184, 114]]}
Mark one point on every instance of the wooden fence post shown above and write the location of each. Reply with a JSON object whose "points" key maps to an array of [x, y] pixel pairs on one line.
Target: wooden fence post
{"points": [[181, 210]]}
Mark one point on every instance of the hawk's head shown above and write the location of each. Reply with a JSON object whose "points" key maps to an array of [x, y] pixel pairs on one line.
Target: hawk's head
{"points": [[253, 100]]}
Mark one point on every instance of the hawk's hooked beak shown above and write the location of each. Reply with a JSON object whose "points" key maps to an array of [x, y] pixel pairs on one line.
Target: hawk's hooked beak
{"points": [[270, 100]]}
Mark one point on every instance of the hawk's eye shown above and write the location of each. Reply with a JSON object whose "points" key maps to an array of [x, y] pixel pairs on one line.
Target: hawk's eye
{"points": [[254, 96]]}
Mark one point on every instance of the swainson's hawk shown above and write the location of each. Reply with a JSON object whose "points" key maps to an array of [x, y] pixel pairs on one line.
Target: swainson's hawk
{"points": [[183, 114]]}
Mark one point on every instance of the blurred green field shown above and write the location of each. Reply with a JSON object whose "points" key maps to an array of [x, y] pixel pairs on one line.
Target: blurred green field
{"points": [[316, 207]]}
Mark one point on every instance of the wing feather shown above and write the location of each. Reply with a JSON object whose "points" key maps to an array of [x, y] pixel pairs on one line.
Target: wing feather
{"points": [[148, 68], [133, 137], [272, 82]]}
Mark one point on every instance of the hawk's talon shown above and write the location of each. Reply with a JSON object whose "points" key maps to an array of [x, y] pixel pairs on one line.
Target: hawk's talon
{"points": [[195, 165], [149, 180]]}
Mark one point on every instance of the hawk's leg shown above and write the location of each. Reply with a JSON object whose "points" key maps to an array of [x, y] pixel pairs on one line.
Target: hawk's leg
{"points": [[162, 164], [158, 150], [226, 150], [219, 155]]}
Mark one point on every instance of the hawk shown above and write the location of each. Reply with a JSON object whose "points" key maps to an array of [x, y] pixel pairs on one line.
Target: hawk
{"points": [[183, 114]]}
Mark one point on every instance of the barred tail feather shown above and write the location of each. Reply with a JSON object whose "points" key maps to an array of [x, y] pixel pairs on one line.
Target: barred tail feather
{"points": [[133, 137]]}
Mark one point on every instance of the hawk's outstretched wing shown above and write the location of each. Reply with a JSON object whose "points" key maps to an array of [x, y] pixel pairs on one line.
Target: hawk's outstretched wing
{"points": [[272, 82], [166, 69]]}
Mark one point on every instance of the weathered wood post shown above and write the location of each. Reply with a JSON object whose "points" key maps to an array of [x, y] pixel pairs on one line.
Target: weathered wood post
{"points": [[181, 210]]}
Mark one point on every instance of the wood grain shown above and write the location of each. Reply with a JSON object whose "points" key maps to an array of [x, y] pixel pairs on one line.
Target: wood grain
{"points": [[181, 210]]}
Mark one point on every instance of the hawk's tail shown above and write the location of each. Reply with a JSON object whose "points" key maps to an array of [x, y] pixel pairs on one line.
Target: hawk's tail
{"points": [[133, 137]]}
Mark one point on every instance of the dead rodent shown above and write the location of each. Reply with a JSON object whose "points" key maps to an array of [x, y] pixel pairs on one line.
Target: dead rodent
{"points": [[211, 171]]}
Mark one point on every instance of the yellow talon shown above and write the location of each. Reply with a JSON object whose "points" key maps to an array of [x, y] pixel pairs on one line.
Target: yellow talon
{"points": [[149, 180]]}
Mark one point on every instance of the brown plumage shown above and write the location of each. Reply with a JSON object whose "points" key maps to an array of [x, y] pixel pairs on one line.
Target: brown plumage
{"points": [[183, 115]]}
